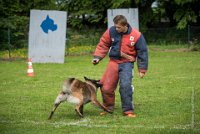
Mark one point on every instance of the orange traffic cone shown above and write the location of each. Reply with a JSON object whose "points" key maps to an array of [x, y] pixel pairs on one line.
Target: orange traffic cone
{"points": [[30, 71]]}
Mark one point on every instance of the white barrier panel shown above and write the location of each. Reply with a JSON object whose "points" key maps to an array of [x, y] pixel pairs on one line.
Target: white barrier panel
{"points": [[131, 14], [47, 36]]}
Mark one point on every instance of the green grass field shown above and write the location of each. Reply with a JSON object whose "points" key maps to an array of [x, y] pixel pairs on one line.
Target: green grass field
{"points": [[167, 100]]}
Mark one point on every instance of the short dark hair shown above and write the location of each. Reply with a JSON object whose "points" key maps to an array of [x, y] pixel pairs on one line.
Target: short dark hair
{"points": [[120, 19]]}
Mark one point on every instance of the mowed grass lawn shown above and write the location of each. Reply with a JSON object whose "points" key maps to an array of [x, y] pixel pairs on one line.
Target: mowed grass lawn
{"points": [[167, 100]]}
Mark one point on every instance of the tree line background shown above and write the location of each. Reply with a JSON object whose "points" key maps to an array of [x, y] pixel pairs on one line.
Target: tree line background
{"points": [[92, 14]]}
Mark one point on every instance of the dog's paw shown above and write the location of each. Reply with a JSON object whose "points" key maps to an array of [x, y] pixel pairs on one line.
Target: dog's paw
{"points": [[79, 114]]}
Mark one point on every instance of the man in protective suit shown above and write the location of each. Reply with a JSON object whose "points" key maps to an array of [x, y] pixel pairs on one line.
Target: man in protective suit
{"points": [[125, 45]]}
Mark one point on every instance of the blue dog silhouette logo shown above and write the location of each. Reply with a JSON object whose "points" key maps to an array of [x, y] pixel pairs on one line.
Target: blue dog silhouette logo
{"points": [[48, 24]]}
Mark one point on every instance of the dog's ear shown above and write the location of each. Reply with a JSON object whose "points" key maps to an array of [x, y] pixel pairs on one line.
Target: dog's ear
{"points": [[99, 84], [85, 78]]}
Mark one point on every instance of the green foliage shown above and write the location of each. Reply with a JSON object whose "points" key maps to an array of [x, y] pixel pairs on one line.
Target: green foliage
{"points": [[182, 2], [121, 3], [81, 50], [10, 15], [183, 17], [85, 13], [14, 15], [160, 36], [183, 12]]}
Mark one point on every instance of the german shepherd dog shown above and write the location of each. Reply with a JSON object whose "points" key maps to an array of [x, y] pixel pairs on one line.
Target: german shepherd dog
{"points": [[79, 93]]}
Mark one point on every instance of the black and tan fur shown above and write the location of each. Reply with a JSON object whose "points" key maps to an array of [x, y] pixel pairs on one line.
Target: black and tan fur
{"points": [[79, 93]]}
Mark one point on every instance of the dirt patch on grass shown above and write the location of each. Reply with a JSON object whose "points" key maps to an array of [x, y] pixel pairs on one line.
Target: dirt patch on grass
{"points": [[177, 50], [171, 50]]}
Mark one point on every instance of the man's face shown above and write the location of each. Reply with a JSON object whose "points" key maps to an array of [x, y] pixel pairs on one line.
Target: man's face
{"points": [[120, 28]]}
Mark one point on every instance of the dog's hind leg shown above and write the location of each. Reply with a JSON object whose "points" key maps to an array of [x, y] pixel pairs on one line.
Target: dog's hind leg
{"points": [[53, 110], [59, 99], [79, 110]]}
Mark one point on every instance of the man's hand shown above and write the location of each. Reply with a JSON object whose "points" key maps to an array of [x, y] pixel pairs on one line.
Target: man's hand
{"points": [[141, 74], [95, 61], [130, 58]]}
